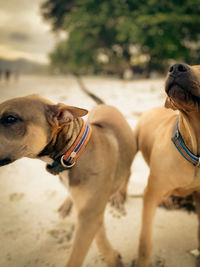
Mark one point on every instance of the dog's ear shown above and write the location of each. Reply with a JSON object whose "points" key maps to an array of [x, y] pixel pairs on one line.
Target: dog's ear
{"points": [[61, 114], [169, 104]]}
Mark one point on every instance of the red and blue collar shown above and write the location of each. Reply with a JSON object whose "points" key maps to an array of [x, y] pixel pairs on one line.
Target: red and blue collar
{"points": [[182, 148], [68, 160]]}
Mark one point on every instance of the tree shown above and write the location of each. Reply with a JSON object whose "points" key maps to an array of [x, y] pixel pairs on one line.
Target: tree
{"points": [[118, 34]]}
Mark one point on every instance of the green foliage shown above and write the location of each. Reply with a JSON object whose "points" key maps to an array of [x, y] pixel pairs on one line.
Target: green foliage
{"points": [[112, 35]]}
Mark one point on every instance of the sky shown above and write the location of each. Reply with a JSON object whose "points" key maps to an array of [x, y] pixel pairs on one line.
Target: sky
{"points": [[23, 32]]}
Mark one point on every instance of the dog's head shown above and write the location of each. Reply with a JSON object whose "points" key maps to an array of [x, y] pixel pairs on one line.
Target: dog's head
{"points": [[183, 88], [28, 123]]}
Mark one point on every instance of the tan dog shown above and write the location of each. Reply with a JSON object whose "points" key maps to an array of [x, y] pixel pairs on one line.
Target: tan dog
{"points": [[36, 128], [170, 172]]}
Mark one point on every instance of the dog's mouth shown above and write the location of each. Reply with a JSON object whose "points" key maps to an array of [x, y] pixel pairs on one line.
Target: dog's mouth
{"points": [[5, 161], [181, 96], [172, 86], [176, 91]]}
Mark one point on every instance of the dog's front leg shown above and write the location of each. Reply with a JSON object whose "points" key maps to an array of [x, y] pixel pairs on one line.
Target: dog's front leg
{"points": [[88, 224], [197, 201], [150, 202]]}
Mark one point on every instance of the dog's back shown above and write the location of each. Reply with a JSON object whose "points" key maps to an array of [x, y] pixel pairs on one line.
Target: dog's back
{"points": [[112, 120]]}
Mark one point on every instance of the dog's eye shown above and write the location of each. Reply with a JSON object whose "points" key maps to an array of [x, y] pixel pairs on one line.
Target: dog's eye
{"points": [[9, 120]]}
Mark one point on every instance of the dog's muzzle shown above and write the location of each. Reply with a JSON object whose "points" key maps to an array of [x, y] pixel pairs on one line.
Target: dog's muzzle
{"points": [[178, 83], [178, 74]]}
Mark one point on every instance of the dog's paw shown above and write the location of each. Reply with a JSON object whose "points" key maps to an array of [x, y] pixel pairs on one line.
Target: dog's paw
{"points": [[160, 262], [66, 208], [117, 202], [119, 261], [167, 203], [174, 202], [133, 263]]}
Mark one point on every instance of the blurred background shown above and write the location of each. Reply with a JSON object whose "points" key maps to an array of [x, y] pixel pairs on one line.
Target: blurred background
{"points": [[125, 38]]}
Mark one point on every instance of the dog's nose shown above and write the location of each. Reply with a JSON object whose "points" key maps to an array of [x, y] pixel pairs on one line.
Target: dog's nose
{"points": [[178, 69]]}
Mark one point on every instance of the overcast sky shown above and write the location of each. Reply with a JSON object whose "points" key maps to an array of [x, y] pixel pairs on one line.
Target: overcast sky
{"points": [[23, 32]]}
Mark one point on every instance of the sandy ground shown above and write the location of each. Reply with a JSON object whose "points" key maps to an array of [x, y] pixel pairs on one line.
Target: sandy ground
{"points": [[31, 232]]}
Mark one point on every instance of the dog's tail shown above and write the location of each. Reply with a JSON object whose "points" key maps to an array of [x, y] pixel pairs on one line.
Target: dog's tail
{"points": [[97, 99]]}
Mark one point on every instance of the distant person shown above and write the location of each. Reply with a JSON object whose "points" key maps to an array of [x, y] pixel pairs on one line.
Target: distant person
{"points": [[16, 76], [7, 76]]}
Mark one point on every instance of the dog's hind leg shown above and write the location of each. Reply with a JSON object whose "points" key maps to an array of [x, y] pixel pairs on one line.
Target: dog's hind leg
{"points": [[111, 256]]}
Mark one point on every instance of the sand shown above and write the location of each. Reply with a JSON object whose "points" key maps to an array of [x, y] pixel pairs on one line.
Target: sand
{"points": [[31, 232]]}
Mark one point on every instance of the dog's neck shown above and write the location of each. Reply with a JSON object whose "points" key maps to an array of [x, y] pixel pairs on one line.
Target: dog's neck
{"points": [[189, 126], [62, 139]]}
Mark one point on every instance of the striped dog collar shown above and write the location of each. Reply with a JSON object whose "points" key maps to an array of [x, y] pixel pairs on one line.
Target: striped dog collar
{"points": [[182, 148], [68, 160]]}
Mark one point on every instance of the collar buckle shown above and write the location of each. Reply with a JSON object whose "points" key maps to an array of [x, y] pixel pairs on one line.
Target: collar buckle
{"points": [[64, 164]]}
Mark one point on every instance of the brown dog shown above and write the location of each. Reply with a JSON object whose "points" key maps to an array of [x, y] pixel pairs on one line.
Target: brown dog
{"points": [[36, 128], [170, 171]]}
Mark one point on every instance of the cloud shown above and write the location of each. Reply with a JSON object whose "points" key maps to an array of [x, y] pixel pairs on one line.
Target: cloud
{"points": [[11, 53], [22, 30]]}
